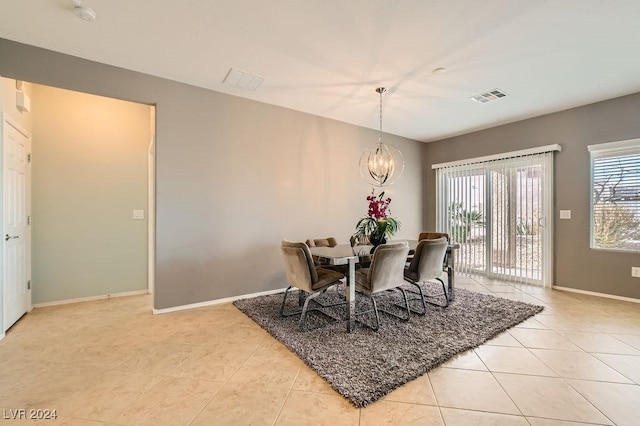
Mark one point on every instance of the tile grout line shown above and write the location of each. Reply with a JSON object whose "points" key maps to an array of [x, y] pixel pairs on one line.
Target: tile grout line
{"points": [[223, 383], [286, 398], [615, 369], [500, 384], [587, 399]]}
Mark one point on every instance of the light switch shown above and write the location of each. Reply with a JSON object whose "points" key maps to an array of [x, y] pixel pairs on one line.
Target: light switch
{"points": [[565, 214], [138, 214]]}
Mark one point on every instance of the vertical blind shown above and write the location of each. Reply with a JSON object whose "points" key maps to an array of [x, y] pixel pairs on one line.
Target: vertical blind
{"points": [[499, 211]]}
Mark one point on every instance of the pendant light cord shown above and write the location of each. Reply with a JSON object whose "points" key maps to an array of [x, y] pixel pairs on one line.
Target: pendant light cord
{"points": [[380, 90]]}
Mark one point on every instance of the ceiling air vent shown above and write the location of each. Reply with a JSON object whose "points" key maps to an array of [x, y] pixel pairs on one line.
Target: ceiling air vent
{"points": [[491, 95], [242, 80]]}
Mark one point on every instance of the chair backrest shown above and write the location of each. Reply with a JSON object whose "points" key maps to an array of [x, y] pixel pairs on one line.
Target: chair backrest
{"points": [[428, 259], [322, 242], [432, 236], [362, 240], [387, 266], [301, 272]]}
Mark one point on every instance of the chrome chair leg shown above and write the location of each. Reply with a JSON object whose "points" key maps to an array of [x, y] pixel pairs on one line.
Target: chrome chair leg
{"points": [[375, 310], [433, 296], [304, 300], [424, 296], [421, 299], [446, 295], [406, 302], [284, 300], [305, 309], [401, 318]]}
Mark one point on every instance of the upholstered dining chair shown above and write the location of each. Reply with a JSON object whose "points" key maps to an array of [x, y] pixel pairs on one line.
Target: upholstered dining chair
{"points": [[435, 236], [327, 242], [425, 266], [385, 273], [303, 274], [432, 235], [322, 242]]}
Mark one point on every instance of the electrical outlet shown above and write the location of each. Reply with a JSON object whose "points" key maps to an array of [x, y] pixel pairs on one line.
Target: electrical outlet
{"points": [[635, 271]]}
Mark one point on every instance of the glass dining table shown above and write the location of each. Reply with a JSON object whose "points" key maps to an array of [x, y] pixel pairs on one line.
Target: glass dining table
{"points": [[344, 254]]}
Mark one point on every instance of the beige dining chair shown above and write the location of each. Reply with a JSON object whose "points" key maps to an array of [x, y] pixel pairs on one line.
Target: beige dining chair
{"points": [[322, 242], [426, 266], [385, 273], [303, 274], [435, 236], [432, 236], [327, 242]]}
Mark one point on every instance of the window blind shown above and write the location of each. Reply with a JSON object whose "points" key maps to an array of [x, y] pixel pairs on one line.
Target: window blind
{"points": [[615, 195]]}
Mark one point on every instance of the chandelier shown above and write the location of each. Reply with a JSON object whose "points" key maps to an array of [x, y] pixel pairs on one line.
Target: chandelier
{"points": [[381, 165]]}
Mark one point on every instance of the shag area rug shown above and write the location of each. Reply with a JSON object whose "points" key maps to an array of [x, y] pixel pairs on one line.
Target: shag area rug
{"points": [[365, 365]]}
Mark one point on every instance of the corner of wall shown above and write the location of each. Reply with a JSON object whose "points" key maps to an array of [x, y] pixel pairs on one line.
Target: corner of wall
{"points": [[8, 92]]}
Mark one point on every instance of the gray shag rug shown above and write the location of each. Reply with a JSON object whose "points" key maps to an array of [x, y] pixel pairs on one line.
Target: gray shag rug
{"points": [[365, 365]]}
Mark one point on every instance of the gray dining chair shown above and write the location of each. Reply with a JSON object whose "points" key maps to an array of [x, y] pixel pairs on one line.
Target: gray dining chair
{"points": [[303, 274], [385, 274], [426, 266], [435, 236], [327, 242]]}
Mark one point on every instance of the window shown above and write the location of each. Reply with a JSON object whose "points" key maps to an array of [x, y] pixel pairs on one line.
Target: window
{"points": [[615, 195]]}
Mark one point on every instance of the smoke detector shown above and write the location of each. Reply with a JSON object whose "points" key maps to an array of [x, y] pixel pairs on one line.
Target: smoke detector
{"points": [[83, 12]]}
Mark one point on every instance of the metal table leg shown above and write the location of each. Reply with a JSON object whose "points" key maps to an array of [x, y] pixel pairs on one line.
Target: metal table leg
{"points": [[350, 293], [451, 276]]}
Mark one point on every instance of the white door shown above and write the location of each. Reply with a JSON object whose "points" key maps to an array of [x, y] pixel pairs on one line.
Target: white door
{"points": [[15, 230]]}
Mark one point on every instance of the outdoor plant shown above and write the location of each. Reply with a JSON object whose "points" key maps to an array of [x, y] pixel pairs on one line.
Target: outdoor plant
{"points": [[378, 225], [524, 228], [613, 224], [461, 221]]}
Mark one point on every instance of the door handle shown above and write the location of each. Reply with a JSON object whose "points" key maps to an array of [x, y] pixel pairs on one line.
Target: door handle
{"points": [[7, 237]]}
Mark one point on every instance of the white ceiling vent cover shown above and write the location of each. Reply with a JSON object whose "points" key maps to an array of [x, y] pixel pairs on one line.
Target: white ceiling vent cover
{"points": [[491, 95], [242, 80]]}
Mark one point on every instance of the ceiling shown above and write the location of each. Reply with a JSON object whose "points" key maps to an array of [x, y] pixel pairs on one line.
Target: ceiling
{"points": [[326, 57]]}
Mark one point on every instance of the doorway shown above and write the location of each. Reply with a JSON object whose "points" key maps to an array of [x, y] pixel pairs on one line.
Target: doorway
{"points": [[93, 166], [500, 212]]}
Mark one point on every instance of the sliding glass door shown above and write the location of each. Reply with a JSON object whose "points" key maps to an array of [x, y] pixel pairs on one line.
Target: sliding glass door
{"points": [[500, 212]]}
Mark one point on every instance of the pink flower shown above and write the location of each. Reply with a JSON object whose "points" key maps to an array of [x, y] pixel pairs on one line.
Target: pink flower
{"points": [[378, 205]]}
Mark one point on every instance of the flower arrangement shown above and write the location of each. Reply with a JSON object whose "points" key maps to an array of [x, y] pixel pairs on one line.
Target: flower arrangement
{"points": [[377, 225]]}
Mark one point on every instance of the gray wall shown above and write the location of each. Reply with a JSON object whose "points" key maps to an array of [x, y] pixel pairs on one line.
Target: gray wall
{"points": [[89, 172], [234, 177], [576, 265]]}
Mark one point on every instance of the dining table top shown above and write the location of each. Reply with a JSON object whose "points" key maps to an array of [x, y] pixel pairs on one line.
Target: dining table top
{"points": [[341, 253]]}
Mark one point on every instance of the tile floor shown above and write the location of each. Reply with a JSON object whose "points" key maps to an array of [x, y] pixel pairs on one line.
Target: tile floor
{"points": [[112, 362]]}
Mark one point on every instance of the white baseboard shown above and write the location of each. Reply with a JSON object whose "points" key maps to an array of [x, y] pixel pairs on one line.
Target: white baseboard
{"points": [[1, 336], [593, 293], [87, 299], [215, 302]]}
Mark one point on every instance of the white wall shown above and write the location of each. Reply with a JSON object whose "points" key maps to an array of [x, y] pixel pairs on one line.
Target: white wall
{"points": [[89, 173]]}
